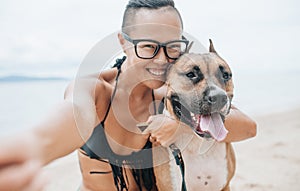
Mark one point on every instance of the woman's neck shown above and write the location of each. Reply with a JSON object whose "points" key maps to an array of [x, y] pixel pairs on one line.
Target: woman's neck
{"points": [[132, 84]]}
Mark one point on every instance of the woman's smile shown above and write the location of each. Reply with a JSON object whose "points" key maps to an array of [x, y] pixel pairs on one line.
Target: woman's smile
{"points": [[158, 72]]}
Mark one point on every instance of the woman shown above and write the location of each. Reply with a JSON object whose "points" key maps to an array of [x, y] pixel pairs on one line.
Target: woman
{"points": [[118, 100]]}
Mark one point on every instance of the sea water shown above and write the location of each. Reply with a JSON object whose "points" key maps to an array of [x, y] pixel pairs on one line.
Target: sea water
{"points": [[25, 103]]}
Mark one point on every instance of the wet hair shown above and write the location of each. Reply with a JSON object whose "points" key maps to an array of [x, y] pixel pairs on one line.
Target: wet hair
{"points": [[135, 5]]}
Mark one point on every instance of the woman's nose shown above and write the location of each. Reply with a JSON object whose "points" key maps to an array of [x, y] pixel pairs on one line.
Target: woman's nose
{"points": [[161, 57]]}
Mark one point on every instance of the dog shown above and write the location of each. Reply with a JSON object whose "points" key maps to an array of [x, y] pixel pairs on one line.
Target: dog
{"points": [[199, 94]]}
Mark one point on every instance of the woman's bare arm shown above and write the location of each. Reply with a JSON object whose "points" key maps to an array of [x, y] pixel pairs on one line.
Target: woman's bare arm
{"points": [[71, 122], [239, 126], [61, 132]]}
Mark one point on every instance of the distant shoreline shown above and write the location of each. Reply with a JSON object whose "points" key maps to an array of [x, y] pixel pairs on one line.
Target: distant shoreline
{"points": [[21, 78]]}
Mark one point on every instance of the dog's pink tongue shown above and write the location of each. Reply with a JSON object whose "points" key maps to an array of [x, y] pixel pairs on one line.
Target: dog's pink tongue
{"points": [[214, 125]]}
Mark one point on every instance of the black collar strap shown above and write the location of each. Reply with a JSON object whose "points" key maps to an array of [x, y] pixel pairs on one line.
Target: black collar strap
{"points": [[179, 161]]}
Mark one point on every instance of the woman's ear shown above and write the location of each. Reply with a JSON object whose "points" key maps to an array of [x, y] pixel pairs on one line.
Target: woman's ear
{"points": [[122, 41]]}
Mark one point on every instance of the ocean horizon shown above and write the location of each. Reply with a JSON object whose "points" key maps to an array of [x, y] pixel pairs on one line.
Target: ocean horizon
{"points": [[26, 99], [26, 78]]}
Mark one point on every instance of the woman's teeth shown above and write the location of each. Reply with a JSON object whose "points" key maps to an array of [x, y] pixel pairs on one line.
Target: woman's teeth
{"points": [[157, 72]]}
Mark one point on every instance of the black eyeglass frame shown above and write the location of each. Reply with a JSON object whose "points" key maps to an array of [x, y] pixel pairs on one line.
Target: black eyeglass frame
{"points": [[163, 45]]}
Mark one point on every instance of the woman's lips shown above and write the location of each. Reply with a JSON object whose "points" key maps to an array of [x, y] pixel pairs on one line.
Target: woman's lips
{"points": [[157, 72]]}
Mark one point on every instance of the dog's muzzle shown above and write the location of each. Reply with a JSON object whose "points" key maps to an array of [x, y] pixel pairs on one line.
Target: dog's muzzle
{"points": [[214, 102], [205, 115]]}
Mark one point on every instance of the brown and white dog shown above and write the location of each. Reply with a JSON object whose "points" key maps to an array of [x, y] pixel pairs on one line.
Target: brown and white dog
{"points": [[200, 90]]}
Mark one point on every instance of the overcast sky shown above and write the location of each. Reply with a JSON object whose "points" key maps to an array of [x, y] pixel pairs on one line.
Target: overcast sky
{"points": [[258, 38], [58, 34]]}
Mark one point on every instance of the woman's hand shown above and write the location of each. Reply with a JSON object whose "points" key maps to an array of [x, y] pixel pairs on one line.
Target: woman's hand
{"points": [[163, 129], [18, 169]]}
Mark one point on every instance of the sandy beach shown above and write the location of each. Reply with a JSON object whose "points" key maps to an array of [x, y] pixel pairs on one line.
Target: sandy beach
{"points": [[270, 161]]}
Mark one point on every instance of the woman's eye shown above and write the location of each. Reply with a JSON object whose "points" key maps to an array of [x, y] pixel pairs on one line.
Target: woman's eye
{"points": [[150, 46]]}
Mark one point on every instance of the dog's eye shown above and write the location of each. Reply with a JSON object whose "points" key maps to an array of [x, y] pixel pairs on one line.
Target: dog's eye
{"points": [[191, 75], [226, 76], [195, 75]]}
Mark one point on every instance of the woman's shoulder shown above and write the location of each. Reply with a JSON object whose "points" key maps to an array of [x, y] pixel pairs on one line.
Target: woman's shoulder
{"points": [[94, 84]]}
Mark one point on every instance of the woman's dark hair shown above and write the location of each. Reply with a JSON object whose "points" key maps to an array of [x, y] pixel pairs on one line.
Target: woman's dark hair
{"points": [[152, 4], [134, 5]]}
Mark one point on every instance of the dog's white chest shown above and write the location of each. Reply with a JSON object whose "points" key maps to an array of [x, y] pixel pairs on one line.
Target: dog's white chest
{"points": [[206, 165]]}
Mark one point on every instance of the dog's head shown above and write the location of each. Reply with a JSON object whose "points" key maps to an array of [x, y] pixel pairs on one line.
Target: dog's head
{"points": [[200, 91]]}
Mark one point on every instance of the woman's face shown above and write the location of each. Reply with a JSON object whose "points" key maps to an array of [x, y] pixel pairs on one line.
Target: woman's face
{"points": [[161, 25]]}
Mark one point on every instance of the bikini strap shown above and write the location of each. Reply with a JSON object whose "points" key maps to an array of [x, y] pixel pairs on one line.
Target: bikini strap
{"points": [[118, 65], [154, 104], [161, 106]]}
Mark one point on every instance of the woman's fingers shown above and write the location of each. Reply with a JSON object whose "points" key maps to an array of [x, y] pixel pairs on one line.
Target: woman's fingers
{"points": [[152, 139], [166, 133], [18, 176], [19, 170], [161, 129], [153, 122]]}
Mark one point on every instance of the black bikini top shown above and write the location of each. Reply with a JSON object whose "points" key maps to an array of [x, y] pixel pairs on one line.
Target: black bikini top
{"points": [[140, 162]]}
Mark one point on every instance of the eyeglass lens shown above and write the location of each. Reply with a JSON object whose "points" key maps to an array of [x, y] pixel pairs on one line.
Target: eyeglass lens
{"points": [[148, 49]]}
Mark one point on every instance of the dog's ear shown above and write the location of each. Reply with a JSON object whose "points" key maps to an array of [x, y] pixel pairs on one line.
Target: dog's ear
{"points": [[211, 47], [213, 50]]}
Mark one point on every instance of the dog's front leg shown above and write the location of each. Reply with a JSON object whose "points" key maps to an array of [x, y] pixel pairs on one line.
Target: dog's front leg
{"points": [[166, 171]]}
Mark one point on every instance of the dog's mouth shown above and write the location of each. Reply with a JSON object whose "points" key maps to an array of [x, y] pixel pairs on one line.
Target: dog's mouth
{"points": [[205, 124]]}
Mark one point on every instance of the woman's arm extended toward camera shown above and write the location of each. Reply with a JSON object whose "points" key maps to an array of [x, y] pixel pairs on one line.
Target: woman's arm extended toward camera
{"points": [[60, 133]]}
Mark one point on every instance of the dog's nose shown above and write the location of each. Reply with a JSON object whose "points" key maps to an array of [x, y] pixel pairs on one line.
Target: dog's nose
{"points": [[218, 99]]}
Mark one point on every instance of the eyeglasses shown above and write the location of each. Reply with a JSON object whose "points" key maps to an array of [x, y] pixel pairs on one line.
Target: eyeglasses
{"points": [[148, 49]]}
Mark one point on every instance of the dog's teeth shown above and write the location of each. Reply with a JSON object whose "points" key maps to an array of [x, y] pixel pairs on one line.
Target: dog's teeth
{"points": [[193, 116]]}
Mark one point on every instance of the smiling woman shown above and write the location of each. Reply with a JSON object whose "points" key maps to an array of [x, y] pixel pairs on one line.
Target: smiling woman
{"points": [[100, 113]]}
